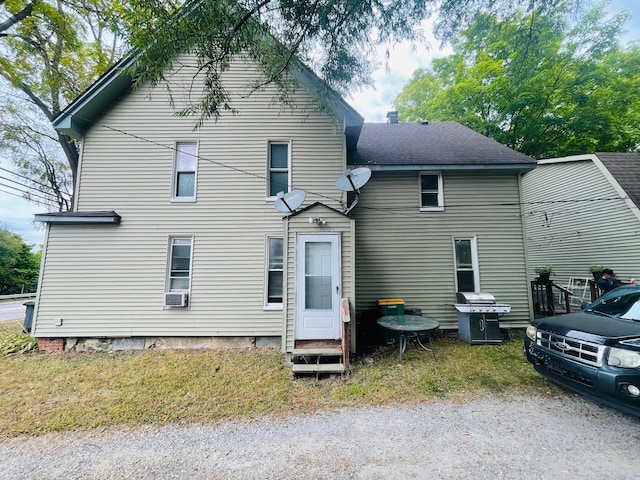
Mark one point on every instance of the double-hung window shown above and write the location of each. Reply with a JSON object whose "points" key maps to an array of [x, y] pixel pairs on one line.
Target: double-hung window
{"points": [[185, 167], [275, 273], [179, 271], [431, 195], [279, 171], [466, 257]]}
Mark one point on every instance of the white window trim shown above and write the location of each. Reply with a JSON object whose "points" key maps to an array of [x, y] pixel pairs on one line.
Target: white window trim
{"points": [[267, 305], [269, 197], [440, 207], [474, 260], [174, 178], [167, 287]]}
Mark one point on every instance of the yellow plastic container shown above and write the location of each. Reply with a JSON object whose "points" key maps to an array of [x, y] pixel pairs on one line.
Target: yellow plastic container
{"points": [[390, 306]]}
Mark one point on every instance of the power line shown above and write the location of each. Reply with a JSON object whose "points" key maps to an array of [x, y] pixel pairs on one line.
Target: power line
{"points": [[48, 199], [391, 210], [28, 186], [200, 157], [26, 178], [11, 193]]}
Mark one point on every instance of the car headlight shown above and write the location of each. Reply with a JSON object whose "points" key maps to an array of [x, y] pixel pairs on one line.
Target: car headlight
{"points": [[619, 357], [531, 332]]}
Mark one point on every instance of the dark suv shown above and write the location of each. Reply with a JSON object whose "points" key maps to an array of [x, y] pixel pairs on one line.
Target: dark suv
{"points": [[595, 352]]}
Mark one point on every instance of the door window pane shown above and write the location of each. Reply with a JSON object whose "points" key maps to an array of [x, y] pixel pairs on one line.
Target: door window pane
{"points": [[318, 276]]}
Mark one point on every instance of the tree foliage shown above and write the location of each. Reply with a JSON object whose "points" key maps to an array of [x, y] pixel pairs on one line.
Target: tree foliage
{"points": [[536, 82], [336, 38], [50, 51], [19, 266]]}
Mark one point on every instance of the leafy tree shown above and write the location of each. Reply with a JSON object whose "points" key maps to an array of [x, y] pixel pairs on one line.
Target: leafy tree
{"points": [[50, 51], [19, 266], [31, 142], [336, 38], [537, 83]]}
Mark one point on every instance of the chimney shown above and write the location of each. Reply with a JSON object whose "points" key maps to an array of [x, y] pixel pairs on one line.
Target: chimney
{"points": [[392, 117]]}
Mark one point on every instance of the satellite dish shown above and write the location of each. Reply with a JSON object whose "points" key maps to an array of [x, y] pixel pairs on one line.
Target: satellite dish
{"points": [[352, 180], [288, 202]]}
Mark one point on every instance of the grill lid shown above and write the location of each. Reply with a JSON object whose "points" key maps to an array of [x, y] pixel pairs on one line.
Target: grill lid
{"points": [[475, 298]]}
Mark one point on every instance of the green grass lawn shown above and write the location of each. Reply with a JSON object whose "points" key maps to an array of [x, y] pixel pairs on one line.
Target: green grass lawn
{"points": [[55, 392]]}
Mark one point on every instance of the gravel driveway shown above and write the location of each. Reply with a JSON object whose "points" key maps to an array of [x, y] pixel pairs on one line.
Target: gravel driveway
{"points": [[564, 437]]}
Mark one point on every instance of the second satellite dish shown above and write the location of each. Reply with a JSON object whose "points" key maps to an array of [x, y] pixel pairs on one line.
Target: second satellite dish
{"points": [[353, 180], [288, 202]]}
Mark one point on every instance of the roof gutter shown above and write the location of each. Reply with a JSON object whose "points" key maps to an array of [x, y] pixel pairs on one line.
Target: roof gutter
{"points": [[518, 167], [80, 114]]}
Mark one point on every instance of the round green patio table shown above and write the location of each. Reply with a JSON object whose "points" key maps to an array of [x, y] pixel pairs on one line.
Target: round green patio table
{"points": [[410, 326]]}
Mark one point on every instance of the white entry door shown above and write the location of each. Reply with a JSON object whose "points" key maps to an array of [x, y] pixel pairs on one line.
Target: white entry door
{"points": [[318, 287]]}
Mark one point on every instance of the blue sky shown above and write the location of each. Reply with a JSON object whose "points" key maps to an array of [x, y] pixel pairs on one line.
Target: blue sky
{"points": [[16, 214]]}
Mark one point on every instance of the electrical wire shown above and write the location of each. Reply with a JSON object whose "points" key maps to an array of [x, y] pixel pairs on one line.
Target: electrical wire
{"points": [[386, 210], [11, 193], [28, 187], [48, 199], [27, 178]]}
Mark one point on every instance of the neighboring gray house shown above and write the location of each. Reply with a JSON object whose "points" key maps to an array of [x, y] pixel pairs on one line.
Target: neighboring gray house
{"points": [[582, 210], [175, 240]]}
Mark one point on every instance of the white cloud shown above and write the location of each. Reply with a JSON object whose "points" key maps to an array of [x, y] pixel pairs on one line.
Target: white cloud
{"points": [[373, 103]]}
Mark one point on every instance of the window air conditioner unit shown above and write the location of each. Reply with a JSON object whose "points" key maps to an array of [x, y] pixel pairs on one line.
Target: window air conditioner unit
{"points": [[176, 299]]}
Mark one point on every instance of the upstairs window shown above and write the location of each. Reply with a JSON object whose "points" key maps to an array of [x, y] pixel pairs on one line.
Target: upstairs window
{"points": [[185, 166], [180, 264], [279, 161], [431, 196], [466, 257], [275, 273]]}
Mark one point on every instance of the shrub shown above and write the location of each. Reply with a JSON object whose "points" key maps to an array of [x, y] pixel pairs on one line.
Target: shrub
{"points": [[16, 344]]}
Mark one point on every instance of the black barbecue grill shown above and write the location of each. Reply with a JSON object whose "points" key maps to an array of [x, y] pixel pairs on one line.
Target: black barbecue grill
{"points": [[478, 317]]}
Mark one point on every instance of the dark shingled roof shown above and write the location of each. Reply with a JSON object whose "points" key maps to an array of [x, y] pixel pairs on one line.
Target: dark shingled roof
{"points": [[625, 168], [438, 144]]}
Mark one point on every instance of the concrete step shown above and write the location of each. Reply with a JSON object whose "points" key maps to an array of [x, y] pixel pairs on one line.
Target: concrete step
{"points": [[318, 368]]}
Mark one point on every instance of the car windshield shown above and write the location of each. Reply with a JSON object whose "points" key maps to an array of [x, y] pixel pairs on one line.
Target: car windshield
{"points": [[621, 302]]}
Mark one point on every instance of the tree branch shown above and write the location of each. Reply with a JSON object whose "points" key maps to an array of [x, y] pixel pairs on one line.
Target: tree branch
{"points": [[18, 17]]}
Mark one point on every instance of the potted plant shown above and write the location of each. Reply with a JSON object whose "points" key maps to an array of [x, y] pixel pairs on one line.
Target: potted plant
{"points": [[543, 273], [596, 271]]}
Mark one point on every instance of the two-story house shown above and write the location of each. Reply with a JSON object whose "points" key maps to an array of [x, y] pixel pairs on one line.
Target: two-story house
{"points": [[175, 239]]}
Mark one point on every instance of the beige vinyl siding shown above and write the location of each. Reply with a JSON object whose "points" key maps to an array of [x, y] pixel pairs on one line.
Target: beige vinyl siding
{"points": [[404, 253], [336, 224], [575, 219], [110, 280]]}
